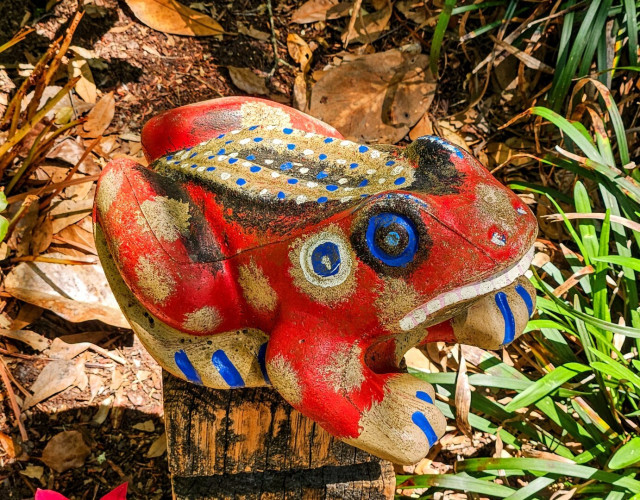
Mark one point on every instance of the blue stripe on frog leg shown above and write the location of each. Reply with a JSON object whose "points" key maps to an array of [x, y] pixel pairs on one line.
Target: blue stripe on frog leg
{"points": [[262, 352], [522, 291], [421, 421], [424, 397], [507, 315], [226, 369], [182, 361]]}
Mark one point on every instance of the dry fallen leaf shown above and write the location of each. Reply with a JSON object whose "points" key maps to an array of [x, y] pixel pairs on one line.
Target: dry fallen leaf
{"points": [[368, 28], [377, 97], [158, 447], [100, 116], [32, 339], [245, 79], [57, 376], [77, 293], [7, 445], [253, 33], [300, 100], [423, 127], [299, 51], [86, 86], [146, 426], [320, 10], [463, 398], [33, 471], [69, 212], [65, 451], [169, 16]]}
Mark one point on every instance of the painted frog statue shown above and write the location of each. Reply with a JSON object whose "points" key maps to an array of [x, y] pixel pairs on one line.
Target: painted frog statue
{"points": [[261, 248]]}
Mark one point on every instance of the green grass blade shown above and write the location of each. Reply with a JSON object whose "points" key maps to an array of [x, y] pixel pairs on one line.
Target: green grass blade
{"points": [[455, 482], [532, 488], [550, 467], [626, 455], [546, 385], [438, 35], [632, 30]]}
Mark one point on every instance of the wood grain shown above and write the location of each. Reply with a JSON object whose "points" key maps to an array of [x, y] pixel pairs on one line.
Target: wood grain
{"points": [[249, 443]]}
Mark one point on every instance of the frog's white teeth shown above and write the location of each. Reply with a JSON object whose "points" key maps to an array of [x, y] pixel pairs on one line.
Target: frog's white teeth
{"points": [[423, 312]]}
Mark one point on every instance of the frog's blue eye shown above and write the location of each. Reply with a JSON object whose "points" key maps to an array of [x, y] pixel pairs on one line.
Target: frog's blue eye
{"points": [[325, 259], [392, 239]]}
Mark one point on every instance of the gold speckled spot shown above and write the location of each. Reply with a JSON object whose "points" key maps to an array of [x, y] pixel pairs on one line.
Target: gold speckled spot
{"points": [[284, 379], [110, 185], [334, 289], [257, 113], [205, 319], [494, 202], [396, 299], [344, 371], [256, 288], [155, 282], [167, 218]]}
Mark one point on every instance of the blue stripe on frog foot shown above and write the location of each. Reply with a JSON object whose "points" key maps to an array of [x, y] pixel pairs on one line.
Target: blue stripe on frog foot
{"points": [[424, 397], [182, 361], [507, 315], [226, 369], [421, 421], [522, 291]]}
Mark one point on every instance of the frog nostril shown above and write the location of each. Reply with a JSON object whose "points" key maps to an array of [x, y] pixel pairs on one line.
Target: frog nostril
{"points": [[499, 239]]}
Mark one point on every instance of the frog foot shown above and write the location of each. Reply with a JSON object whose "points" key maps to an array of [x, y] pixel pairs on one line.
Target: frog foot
{"points": [[391, 415]]}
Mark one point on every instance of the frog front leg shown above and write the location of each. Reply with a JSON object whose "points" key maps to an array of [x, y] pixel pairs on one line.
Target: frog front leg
{"points": [[321, 371]]}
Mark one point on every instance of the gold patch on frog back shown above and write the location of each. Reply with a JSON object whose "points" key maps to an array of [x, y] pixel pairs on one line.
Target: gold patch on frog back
{"points": [[168, 219], [284, 379], [154, 281], [256, 288], [204, 320], [344, 370], [257, 113], [110, 185]]}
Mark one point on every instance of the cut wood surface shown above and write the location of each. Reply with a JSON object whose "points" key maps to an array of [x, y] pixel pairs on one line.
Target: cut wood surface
{"points": [[249, 443]]}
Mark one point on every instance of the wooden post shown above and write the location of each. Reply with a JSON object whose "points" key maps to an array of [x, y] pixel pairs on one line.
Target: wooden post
{"points": [[249, 443]]}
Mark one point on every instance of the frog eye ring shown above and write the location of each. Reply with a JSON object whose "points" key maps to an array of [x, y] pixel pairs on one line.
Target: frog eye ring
{"points": [[325, 259], [392, 239]]}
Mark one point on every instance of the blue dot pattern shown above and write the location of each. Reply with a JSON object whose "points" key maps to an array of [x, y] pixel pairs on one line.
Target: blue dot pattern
{"points": [[318, 169]]}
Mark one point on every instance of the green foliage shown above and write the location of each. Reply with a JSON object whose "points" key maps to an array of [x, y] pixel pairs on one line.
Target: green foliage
{"points": [[4, 223], [582, 33]]}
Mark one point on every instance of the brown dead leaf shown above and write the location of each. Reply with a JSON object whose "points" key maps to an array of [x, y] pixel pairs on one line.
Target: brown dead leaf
{"points": [[32, 339], [100, 116], [245, 79], [57, 376], [414, 11], [65, 451], [77, 293], [300, 100], [61, 350], [86, 86], [22, 235], [320, 10], [299, 51], [146, 426], [253, 33], [463, 398], [27, 314], [42, 236], [158, 447], [423, 127], [71, 151], [377, 97], [6, 443], [33, 471], [169, 16], [368, 28], [68, 212]]}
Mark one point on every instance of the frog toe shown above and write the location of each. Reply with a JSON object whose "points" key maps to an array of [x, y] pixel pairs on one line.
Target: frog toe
{"points": [[405, 424]]}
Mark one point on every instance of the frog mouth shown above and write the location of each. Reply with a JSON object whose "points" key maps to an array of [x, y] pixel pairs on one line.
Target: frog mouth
{"points": [[425, 314]]}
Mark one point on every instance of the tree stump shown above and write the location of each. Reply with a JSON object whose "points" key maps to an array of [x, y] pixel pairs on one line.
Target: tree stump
{"points": [[249, 443]]}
